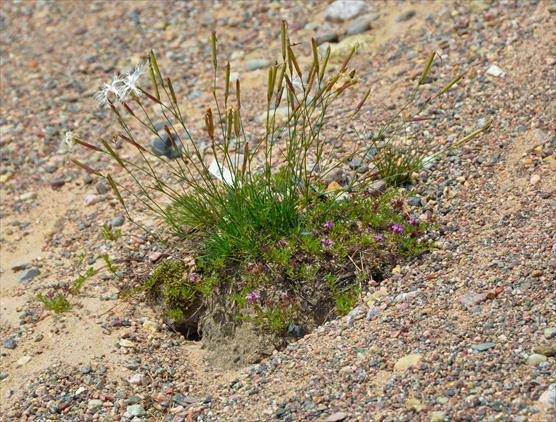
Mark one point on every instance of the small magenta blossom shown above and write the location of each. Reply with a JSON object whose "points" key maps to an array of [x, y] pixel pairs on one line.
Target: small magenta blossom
{"points": [[326, 242], [412, 221], [253, 296], [285, 296], [378, 237], [397, 228], [282, 243], [328, 225]]}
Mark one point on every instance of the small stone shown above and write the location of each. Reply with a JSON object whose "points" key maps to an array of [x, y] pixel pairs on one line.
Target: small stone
{"points": [[126, 343], [339, 52], [92, 199], [79, 391], [331, 36], [495, 71], [295, 330], [23, 360], [343, 10], [21, 267], [414, 201], [28, 196], [151, 326], [256, 64], [405, 16], [102, 187], [483, 346], [135, 410], [94, 403], [136, 379], [39, 337], [163, 146], [336, 417], [549, 332], [548, 397], [29, 275], [407, 362], [117, 221], [472, 299], [414, 404], [10, 343], [545, 349], [377, 187], [535, 179], [535, 359], [57, 183], [437, 417], [362, 24]]}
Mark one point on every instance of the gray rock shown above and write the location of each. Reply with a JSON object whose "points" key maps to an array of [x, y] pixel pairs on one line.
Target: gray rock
{"points": [[361, 24], [405, 16], [343, 10], [377, 187], [117, 221], [336, 175], [94, 403], [355, 163], [135, 410], [330, 36], [296, 330], [29, 274], [549, 332], [10, 343], [483, 346], [414, 201], [57, 183], [535, 359], [257, 64], [163, 146], [102, 187]]}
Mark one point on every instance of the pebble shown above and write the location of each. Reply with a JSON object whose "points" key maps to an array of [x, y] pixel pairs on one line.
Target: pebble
{"points": [[535, 359], [437, 416], [256, 64], [483, 346], [407, 362], [29, 274], [362, 24], [494, 70], [117, 221], [94, 403], [23, 360], [10, 343], [472, 299], [549, 332], [57, 183], [405, 16], [336, 417], [135, 410], [343, 10], [545, 349]]}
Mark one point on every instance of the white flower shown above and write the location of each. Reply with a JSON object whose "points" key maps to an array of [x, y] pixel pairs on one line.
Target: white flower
{"points": [[68, 138], [114, 91], [121, 86], [130, 80]]}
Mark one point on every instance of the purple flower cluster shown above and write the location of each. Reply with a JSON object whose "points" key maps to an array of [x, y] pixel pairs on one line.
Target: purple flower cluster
{"points": [[253, 296], [378, 237], [326, 242], [328, 225], [397, 228]]}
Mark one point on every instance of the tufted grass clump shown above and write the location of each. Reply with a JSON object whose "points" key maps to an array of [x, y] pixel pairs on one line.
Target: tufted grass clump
{"points": [[284, 247]]}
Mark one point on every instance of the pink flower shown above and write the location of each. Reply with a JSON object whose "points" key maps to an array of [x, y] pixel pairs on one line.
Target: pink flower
{"points": [[252, 296], [282, 243], [328, 225], [412, 221], [378, 237], [397, 228], [326, 242]]}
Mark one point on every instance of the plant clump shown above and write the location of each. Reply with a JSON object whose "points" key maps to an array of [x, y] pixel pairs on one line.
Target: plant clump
{"points": [[276, 246]]}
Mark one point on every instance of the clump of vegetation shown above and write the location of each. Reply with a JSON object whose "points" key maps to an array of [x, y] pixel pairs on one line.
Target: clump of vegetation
{"points": [[284, 246], [57, 299]]}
